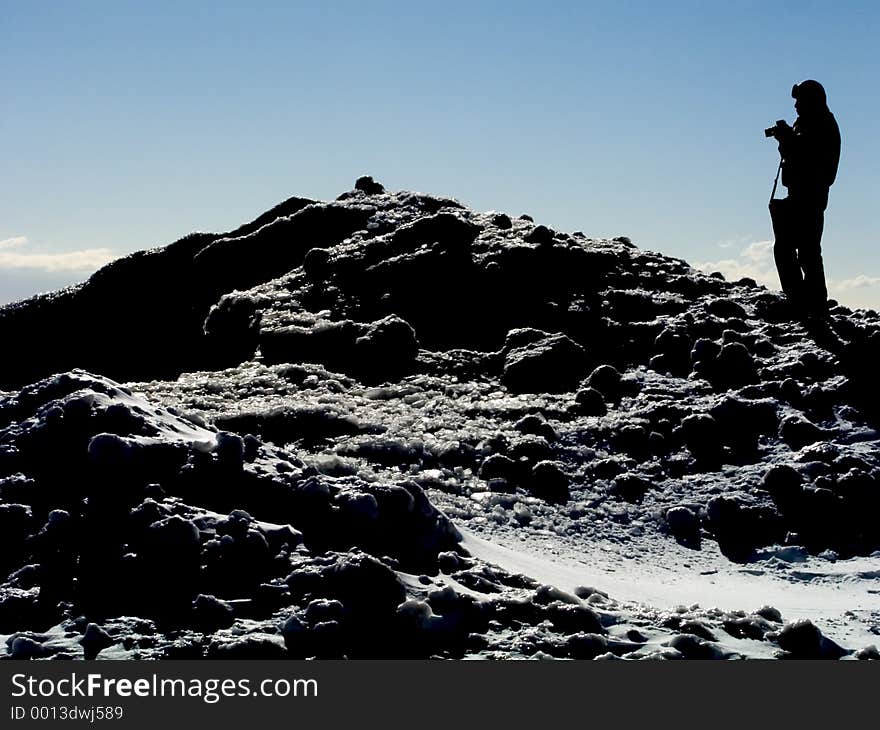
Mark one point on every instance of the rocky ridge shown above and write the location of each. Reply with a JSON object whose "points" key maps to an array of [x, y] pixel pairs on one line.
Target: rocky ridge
{"points": [[312, 403]]}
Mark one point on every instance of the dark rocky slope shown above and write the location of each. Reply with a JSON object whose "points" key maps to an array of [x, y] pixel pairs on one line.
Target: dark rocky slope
{"points": [[345, 369]]}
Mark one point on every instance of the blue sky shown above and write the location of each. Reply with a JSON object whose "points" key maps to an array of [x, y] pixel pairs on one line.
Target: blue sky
{"points": [[125, 125]]}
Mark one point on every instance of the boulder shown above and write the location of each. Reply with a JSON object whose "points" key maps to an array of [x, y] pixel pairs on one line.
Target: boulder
{"points": [[551, 364], [367, 185], [549, 482], [387, 348], [589, 402], [605, 379], [684, 525]]}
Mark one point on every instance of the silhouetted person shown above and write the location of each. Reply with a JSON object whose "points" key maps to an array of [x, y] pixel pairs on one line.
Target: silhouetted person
{"points": [[810, 154]]}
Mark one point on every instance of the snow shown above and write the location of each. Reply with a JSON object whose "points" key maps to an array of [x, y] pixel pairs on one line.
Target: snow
{"points": [[843, 599]]}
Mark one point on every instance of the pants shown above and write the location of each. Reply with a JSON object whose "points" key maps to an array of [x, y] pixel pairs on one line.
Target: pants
{"points": [[797, 226]]}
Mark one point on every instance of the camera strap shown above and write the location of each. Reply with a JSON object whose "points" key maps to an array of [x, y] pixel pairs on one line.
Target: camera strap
{"points": [[776, 181]]}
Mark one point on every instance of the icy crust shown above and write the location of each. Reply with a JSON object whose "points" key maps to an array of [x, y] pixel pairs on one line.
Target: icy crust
{"points": [[149, 535], [365, 371]]}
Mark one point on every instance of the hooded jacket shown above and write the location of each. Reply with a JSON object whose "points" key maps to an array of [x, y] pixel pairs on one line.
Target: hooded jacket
{"points": [[811, 149]]}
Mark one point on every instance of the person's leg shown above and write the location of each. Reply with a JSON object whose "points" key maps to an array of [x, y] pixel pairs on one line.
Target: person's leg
{"points": [[810, 258], [785, 249]]}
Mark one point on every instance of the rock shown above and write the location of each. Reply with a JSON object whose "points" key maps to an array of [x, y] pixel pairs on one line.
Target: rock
{"points": [[636, 636], [230, 450], [536, 425], [419, 616], [735, 365], [368, 589], [256, 646], [110, 451], [540, 235], [239, 262], [587, 592], [803, 640], [702, 437], [790, 392], [554, 363], [742, 421], [770, 614], [297, 637], [521, 337], [734, 332], [798, 432], [684, 524], [869, 652], [446, 228], [698, 629], [674, 348], [231, 330], [358, 506], [24, 647], [251, 448], [726, 308], [237, 524], [818, 402], [571, 617], [729, 522], [748, 627], [530, 449], [316, 264], [633, 439], [547, 594], [449, 562], [636, 305], [325, 342], [322, 609], [498, 466], [783, 482], [590, 402], [821, 451], [211, 614], [630, 487], [705, 351], [693, 647], [367, 185], [502, 221], [521, 513], [389, 346], [549, 482], [95, 640], [585, 646], [606, 380]]}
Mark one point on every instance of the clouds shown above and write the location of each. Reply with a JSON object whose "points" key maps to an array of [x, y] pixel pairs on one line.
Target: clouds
{"points": [[86, 260], [755, 261], [859, 291], [859, 282], [13, 242]]}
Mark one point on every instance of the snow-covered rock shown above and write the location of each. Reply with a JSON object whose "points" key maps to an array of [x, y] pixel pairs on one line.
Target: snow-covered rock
{"points": [[329, 408]]}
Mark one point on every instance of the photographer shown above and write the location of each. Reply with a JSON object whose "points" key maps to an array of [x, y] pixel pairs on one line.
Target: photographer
{"points": [[810, 152]]}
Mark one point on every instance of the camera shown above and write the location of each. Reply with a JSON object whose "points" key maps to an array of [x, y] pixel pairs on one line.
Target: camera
{"points": [[776, 128]]}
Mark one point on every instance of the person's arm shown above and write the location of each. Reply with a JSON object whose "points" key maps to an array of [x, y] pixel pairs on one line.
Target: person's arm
{"points": [[787, 138]]}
